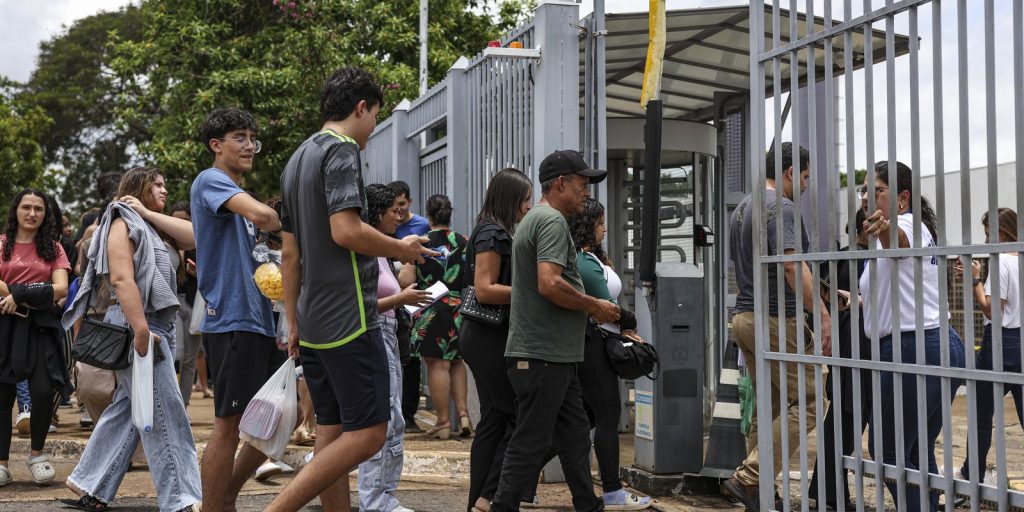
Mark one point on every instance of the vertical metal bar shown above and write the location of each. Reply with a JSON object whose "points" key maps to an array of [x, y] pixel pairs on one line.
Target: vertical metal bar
{"points": [[940, 209], [994, 268], [872, 300], [836, 405], [896, 335], [812, 139], [967, 259], [1018, 118], [757, 178], [858, 414], [916, 201], [782, 345]]}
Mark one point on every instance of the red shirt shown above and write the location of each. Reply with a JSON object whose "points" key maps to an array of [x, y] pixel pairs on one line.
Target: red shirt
{"points": [[25, 265]]}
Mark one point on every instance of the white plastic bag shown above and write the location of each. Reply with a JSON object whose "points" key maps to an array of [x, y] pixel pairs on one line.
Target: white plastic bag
{"points": [[269, 418], [195, 324], [142, 388]]}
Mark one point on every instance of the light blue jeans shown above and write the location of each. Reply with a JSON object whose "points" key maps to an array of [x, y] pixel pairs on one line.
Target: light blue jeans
{"points": [[379, 475], [170, 449], [24, 398]]}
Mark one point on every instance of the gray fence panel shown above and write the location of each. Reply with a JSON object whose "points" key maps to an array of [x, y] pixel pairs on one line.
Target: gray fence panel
{"points": [[911, 376]]}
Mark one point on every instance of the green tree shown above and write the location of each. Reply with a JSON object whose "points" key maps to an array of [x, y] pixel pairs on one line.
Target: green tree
{"points": [[76, 87], [21, 156], [858, 174], [270, 58]]}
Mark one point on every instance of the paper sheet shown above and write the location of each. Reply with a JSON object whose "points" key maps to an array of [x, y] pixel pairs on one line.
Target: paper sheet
{"points": [[437, 290]]}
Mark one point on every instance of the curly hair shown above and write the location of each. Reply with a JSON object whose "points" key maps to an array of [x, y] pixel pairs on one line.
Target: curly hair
{"points": [[582, 225], [224, 120], [379, 199], [47, 237], [343, 91]]}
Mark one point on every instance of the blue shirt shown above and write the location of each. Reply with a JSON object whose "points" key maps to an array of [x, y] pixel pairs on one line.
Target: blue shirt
{"points": [[224, 244], [415, 226]]}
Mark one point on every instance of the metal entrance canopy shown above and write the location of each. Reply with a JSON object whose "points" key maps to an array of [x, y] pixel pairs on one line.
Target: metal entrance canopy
{"points": [[707, 51]]}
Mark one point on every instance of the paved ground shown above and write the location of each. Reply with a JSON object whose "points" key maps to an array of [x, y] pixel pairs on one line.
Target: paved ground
{"points": [[434, 478]]}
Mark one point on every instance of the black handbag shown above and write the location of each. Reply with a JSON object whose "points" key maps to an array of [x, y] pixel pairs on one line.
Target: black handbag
{"points": [[631, 360], [472, 308], [102, 344]]}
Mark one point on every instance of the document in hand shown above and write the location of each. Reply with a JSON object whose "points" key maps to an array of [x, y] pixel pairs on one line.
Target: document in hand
{"points": [[437, 290]]}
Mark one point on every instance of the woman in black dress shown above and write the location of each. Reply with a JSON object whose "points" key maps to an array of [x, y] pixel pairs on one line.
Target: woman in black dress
{"points": [[489, 259]]}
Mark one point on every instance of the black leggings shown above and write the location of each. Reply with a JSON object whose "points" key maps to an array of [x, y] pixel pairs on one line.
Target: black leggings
{"points": [[600, 386], [41, 390], [483, 350]]}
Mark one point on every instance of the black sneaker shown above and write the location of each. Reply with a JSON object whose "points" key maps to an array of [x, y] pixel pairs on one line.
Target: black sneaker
{"points": [[748, 495], [84, 503]]}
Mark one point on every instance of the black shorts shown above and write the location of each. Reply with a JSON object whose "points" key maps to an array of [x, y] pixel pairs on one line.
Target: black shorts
{"points": [[349, 384], [241, 362]]}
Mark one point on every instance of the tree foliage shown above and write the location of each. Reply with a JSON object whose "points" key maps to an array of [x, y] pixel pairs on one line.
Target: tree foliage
{"points": [[21, 156], [133, 86], [270, 58], [76, 87]]}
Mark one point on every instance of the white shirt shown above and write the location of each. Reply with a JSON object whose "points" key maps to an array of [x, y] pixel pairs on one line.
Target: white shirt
{"points": [[907, 290], [1009, 289]]}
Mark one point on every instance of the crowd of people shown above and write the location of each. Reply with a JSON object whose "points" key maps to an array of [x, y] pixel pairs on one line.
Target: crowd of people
{"points": [[873, 307], [530, 298], [356, 314]]}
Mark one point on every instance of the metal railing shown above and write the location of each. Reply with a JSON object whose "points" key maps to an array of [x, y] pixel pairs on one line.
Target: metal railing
{"points": [[912, 388]]}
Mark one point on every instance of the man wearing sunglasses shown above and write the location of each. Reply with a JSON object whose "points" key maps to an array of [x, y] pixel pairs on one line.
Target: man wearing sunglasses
{"points": [[238, 330]]}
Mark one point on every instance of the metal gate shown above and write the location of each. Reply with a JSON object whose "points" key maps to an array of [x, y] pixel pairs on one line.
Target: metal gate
{"points": [[782, 45]]}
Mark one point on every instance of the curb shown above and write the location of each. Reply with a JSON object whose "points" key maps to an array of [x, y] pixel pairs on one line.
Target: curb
{"points": [[444, 465]]}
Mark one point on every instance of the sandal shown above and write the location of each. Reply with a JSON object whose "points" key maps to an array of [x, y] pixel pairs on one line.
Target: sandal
{"points": [[42, 470], [465, 427], [207, 393], [440, 431], [303, 437], [5, 476], [84, 503]]}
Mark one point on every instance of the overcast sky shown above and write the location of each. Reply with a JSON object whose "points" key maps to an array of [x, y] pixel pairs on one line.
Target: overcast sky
{"points": [[25, 24]]}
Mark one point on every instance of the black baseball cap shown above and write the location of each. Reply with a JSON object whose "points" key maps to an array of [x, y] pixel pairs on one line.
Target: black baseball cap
{"points": [[567, 161]]}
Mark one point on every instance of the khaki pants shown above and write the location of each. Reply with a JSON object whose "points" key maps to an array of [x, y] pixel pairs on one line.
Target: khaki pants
{"points": [[743, 330]]}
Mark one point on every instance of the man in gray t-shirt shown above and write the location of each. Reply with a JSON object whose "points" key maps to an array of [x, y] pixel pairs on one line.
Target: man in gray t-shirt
{"points": [[329, 272], [780, 214]]}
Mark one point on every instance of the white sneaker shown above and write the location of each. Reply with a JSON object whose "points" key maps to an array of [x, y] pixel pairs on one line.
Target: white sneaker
{"points": [[308, 458], [23, 422], [957, 473], [285, 468], [52, 429], [267, 470], [623, 500], [401, 508]]}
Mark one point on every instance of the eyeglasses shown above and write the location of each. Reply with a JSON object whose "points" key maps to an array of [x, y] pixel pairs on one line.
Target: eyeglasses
{"points": [[244, 142], [879, 190], [862, 191]]}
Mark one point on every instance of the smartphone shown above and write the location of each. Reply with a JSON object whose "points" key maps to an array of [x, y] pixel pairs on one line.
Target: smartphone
{"points": [[21, 311]]}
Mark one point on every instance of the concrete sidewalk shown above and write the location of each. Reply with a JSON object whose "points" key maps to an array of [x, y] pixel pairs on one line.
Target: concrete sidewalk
{"points": [[431, 465]]}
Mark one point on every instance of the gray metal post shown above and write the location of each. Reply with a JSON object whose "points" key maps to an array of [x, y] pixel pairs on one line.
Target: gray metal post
{"points": [[405, 158], [555, 101], [556, 81], [457, 135]]}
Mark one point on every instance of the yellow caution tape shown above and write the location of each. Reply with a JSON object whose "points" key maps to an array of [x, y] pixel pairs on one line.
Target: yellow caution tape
{"points": [[655, 53]]}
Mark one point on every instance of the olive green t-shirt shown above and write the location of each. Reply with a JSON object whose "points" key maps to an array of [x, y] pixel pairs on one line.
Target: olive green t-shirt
{"points": [[540, 329]]}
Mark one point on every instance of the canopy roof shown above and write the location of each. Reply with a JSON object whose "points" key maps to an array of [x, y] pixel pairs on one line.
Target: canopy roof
{"points": [[707, 52]]}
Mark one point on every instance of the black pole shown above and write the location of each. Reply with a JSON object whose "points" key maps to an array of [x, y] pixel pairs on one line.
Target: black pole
{"points": [[651, 197]]}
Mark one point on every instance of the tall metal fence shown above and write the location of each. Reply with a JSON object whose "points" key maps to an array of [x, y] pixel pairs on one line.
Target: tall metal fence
{"points": [[913, 372], [486, 115]]}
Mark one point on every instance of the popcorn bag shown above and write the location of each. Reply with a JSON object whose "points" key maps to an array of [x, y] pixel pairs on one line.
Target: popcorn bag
{"points": [[268, 274]]}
